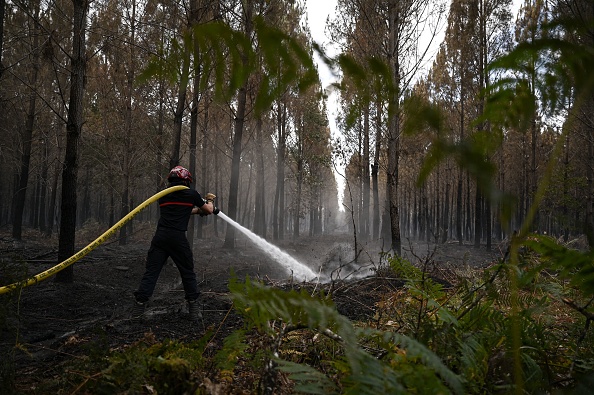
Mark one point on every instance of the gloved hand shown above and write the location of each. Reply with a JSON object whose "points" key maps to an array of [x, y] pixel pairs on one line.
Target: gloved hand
{"points": [[210, 197]]}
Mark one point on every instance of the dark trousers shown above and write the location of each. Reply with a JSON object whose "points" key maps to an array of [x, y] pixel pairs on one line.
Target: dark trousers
{"points": [[168, 243]]}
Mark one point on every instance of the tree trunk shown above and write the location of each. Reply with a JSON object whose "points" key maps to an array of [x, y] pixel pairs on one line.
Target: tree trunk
{"points": [[126, 170], [54, 197], [477, 217], [589, 217], [192, 167], [2, 12], [364, 227], [73, 130], [260, 203], [375, 171], [179, 112], [205, 169], [238, 137], [44, 182], [394, 132], [446, 209], [27, 136], [279, 196], [235, 161], [297, 201]]}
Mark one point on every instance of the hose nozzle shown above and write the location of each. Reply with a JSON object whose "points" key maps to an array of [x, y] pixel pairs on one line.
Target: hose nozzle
{"points": [[209, 198]]}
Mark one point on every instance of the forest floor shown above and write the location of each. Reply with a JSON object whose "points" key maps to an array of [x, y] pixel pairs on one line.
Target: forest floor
{"points": [[44, 325]]}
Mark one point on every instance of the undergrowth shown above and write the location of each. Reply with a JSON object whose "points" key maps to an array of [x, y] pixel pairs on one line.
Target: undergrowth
{"points": [[426, 338]]}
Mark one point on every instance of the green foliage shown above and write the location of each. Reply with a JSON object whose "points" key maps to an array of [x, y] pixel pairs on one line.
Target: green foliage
{"points": [[307, 379], [573, 265], [471, 154], [469, 325], [227, 59], [361, 372], [566, 73], [234, 346], [449, 340], [166, 367]]}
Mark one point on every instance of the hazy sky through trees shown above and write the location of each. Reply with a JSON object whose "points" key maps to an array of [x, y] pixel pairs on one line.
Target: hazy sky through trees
{"points": [[317, 13]]}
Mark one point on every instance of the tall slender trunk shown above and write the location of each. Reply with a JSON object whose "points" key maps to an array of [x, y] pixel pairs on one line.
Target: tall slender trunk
{"points": [[459, 212], [260, 201], [201, 221], [238, 137], [297, 197], [589, 217], [159, 165], [180, 107], [446, 207], [130, 75], [193, 138], [54, 195], [73, 130], [365, 167], [279, 197], [44, 182], [478, 213], [394, 130], [27, 137], [375, 171], [2, 12], [236, 158]]}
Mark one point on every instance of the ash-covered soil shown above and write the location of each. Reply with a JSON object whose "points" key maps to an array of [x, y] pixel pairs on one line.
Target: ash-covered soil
{"points": [[44, 324]]}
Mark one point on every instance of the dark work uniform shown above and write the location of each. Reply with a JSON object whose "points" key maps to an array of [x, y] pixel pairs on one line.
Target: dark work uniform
{"points": [[170, 241]]}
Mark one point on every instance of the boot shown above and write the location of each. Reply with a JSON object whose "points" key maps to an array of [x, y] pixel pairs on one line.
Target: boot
{"points": [[137, 310], [194, 310]]}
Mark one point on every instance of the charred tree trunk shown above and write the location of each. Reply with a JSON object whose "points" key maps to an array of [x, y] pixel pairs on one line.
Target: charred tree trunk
{"points": [[375, 172], [279, 196], [27, 137], [365, 174], [73, 130], [394, 131], [260, 203], [236, 158]]}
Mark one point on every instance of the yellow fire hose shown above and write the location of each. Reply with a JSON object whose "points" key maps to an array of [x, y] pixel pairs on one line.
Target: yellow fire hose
{"points": [[107, 234]]}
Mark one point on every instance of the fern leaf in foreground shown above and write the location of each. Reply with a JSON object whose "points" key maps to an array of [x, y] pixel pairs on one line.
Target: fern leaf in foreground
{"points": [[307, 379], [364, 373]]}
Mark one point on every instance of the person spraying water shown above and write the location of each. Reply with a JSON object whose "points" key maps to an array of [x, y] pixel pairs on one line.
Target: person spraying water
{"points": [[170, 240], [203, 207]]}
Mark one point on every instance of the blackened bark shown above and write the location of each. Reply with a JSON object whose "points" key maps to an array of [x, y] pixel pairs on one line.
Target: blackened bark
{"points": [[235, 161], [279, 197], [364, 226], [260, 203], [375, 171], [73, 131], [27, 137], [2, 8], [394, 131]]}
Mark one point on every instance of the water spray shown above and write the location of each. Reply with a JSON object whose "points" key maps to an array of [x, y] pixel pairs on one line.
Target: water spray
{"points": [[298, 269]]}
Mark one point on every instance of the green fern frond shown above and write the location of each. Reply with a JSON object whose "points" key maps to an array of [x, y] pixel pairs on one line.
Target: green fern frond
{"points": [[307, 379], [233, 346], [576, 266], [417, 350], [227, 58], [366, 373], [474, 359]]}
